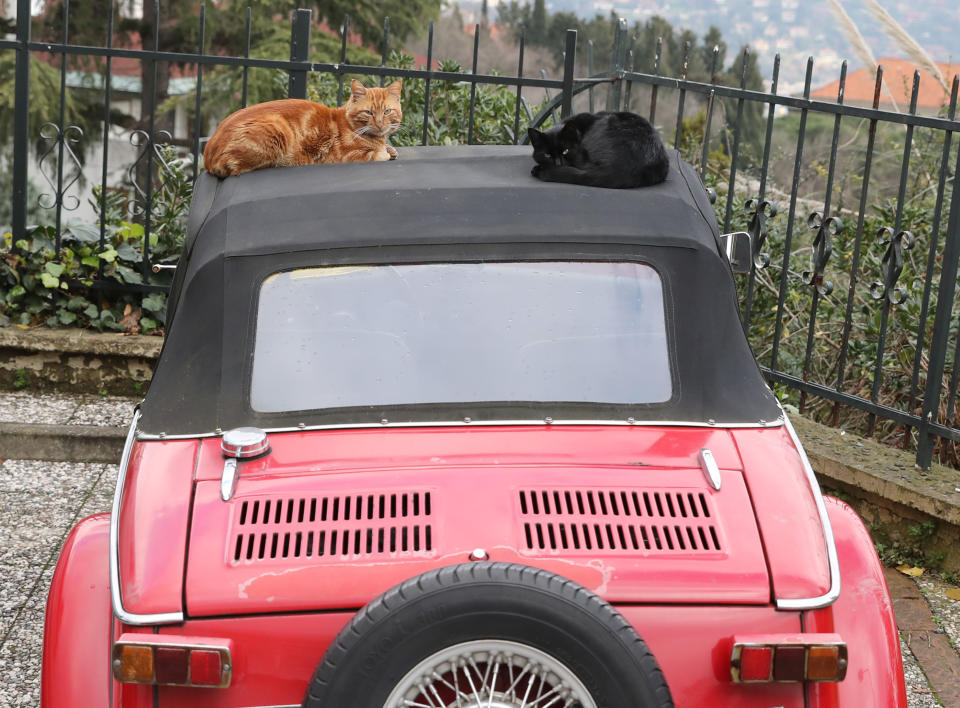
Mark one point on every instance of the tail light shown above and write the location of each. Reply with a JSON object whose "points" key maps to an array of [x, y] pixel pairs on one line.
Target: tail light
{"points": [[172, 660], [766, 658]]}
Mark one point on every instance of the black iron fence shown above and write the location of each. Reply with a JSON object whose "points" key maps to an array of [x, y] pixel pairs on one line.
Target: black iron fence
{"points": [[872, 344]]}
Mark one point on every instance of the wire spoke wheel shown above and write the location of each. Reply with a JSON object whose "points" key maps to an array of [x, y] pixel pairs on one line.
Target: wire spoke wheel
{"points": [[488, 635], [490, 673]]}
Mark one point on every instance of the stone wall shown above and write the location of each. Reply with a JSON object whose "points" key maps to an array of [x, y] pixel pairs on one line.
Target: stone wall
{"points": [[76, 361]]}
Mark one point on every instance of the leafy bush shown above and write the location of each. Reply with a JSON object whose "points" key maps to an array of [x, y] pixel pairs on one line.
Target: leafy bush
{"points": [[41, 285], [868, 306], [449, 116]]}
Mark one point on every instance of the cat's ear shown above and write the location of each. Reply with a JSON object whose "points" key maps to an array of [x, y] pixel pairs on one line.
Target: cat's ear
{"points": [[536, 137], [395, 88], [569, 134], [357, 90]]}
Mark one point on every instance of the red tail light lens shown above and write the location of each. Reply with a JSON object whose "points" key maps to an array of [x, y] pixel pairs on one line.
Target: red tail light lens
{"points": [[755, 663], [170, 660], [205, 667], [789, 663], [171, 665], [788, 657]]}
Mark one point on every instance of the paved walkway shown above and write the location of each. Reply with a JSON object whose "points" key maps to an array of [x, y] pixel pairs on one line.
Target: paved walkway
{"points": [[40, 501]]}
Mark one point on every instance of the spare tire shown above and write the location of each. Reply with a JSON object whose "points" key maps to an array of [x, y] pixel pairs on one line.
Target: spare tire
{"points": [[490, 634]]}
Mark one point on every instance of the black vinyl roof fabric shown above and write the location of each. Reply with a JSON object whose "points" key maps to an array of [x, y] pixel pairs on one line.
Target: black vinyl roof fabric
{"points": [[449, 195], [441, 204]]}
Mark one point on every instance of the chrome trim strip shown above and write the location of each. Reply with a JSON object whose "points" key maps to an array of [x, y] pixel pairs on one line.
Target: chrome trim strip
{"points": [[815, 603], [480, 424], [115, 596], [710, 469]]}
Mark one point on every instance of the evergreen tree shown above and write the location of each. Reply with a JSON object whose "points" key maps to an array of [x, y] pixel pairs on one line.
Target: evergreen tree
{"points": [[713, 38], [514, 15], [537, 32], [407, 17], [752, 124]]}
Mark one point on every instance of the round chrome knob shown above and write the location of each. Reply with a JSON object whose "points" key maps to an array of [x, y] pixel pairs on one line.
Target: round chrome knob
{"points": [[243, 443]]}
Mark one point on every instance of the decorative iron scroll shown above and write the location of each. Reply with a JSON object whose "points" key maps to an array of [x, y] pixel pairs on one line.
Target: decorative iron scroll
{"points": [[141, 139], [892, 265], [50, 132], [822, 248], [759, 211]]}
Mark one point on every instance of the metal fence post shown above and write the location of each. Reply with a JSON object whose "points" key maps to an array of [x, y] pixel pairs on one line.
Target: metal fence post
{"points": [[299, 51], [941, 328], [569, 60], [21, 121], [617, 63]]}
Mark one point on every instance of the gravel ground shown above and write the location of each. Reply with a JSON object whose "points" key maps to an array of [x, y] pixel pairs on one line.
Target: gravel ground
{"points": [[945, 611], [54, 408], [41, 501]]}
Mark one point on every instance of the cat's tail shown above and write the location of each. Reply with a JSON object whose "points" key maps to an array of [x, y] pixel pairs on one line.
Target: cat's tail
{"points": [[219, 159], [643, 175], [223, 166], [213, 162], [652, 173]]}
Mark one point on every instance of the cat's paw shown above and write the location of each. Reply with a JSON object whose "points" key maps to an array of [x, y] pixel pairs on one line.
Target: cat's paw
{"points": [[392, 152], [537, 169]]}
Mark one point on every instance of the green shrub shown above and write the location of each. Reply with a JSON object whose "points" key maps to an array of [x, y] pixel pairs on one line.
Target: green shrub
{"points": [[40, 285]]}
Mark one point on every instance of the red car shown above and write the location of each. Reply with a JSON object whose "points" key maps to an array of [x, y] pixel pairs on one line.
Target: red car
{"points": [[437, 434]]}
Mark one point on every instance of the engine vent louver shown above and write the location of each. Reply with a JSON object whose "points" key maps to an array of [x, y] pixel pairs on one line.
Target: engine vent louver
{"points": [[332, 527], [619, 520]]}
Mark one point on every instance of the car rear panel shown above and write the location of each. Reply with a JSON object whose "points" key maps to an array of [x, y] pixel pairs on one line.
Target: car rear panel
{"points": [[328, 520], [623, 524], [276, 655]]}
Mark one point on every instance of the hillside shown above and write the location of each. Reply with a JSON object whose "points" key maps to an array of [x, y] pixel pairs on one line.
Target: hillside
{"points": [[794, 28]]}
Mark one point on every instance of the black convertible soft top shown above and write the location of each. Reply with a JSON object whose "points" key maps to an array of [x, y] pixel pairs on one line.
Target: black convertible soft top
{"points": [[443, 204]]}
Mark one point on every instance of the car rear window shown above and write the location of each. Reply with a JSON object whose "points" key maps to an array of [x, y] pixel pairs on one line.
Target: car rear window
{"points": [[340, 337]]}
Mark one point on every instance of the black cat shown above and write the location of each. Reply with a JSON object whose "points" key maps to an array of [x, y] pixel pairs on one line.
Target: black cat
{"points": [[619, 150]]}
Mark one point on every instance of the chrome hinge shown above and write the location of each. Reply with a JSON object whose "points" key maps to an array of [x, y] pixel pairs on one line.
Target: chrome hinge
{"points": [[228, 481], [709, 466]]}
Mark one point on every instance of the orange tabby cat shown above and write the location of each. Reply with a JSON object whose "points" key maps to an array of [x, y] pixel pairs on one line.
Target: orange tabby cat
{"points": [[296, 132]]}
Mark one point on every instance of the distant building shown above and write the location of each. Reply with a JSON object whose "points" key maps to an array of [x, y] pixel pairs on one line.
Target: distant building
{"points": [[898, 75]]}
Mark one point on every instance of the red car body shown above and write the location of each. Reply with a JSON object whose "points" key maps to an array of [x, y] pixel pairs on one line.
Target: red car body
{"points": [[333, 516]]}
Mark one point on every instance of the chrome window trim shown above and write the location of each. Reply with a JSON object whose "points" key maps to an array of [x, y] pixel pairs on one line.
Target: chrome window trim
{"points": [[481, 424], [115, 595], [815, 603]]}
